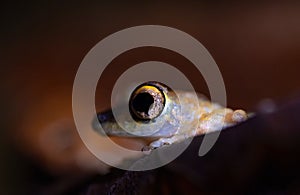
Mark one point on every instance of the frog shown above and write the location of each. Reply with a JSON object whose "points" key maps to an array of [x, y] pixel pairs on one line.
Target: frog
{"points": [[164, 116]]}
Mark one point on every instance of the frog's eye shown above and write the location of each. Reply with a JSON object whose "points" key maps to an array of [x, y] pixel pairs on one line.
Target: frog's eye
{"points": [[147, 101]]}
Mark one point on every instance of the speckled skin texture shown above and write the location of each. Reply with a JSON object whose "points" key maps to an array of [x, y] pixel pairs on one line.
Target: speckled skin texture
{"points": [[185, 115], [198, 116]]}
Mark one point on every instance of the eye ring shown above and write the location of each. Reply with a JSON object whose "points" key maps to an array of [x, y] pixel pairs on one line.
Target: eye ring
{"points": [[147, 101]]}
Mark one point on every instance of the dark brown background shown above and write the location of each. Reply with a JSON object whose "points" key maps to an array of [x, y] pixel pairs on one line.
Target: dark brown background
{"points": [[256, 46]]}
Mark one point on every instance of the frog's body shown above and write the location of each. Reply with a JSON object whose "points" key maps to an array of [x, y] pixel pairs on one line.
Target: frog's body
{"points": [[200, 119], [185, 115]]}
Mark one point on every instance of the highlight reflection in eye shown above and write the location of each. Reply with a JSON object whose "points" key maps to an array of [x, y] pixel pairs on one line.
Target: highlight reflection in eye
{"points": [[147, 101]]}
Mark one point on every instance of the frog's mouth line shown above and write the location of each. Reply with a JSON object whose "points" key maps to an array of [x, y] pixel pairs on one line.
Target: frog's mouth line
{"points": [[110, 127]]}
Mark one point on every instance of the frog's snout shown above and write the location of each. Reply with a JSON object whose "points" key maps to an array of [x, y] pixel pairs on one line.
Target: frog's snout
{"points": [[102, 118], [105, 116]]}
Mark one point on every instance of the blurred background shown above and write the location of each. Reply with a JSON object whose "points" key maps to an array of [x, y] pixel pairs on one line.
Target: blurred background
{"points": [[255, 44]]}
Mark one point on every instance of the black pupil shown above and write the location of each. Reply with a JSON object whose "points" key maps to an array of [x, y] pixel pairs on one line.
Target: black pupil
{"points": [[142, 102]]}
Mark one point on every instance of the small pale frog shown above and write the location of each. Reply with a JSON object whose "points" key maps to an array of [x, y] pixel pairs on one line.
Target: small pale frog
{"points": [[157, 113]]}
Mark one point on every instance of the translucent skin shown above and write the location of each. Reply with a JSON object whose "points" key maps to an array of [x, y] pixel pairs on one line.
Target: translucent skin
{"points": [[185, 115], [199, 116]]}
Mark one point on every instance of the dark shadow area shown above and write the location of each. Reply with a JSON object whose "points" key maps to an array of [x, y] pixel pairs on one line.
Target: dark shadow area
{"points": [[255, 44]]}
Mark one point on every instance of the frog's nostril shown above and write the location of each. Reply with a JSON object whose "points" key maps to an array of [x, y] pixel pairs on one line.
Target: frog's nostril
{"points": [[105, 116]]}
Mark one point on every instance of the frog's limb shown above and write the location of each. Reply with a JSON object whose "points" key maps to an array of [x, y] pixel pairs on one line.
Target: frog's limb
{"points": [[165, 141]]}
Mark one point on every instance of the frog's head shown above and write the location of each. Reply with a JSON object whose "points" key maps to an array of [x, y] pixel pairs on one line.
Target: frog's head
{"points": [[152, 111]]}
